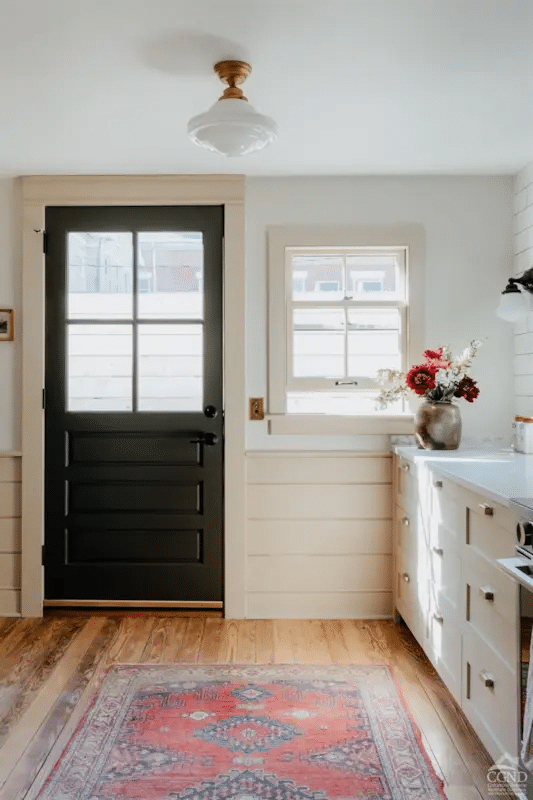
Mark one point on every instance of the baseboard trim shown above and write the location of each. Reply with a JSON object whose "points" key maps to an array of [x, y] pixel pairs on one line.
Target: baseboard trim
{"points": [[133, 603]]}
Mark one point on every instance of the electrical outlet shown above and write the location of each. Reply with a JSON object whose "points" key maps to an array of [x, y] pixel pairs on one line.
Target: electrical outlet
{"points": [[257, 410]]}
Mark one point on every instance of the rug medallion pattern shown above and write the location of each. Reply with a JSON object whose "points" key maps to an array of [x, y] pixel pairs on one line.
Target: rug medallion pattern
{"points": [[230, 732]]}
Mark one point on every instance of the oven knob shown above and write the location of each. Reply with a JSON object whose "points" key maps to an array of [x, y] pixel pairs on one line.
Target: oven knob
{"points": [[524, 533]]}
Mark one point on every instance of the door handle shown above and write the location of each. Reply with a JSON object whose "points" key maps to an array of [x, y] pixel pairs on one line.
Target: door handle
{"points": [[207, 439]]}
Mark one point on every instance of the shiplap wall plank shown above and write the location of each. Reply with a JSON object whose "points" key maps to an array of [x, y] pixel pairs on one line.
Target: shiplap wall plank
{"points": [[276, 537], [339, 605], [351, 501], [10, 470], [325, 573], [10, 499], [9, 602], [324, 470], [10, 570], [523, 249], [10, 535]]}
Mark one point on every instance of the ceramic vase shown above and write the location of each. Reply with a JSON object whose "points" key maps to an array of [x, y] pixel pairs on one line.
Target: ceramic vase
{"points": [[438, 426]]}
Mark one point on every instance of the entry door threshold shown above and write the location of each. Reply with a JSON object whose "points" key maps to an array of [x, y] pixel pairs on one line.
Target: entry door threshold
{"points": [[134, 603]]}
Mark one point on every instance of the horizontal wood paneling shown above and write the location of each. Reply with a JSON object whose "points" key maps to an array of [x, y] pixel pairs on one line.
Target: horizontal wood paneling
{"points": [[371, 501], [10, 535], [319, 537], [10, 602], [323, 470], [327, 573], [333, 605], [10, 499], [10, 570], [10, 470]]}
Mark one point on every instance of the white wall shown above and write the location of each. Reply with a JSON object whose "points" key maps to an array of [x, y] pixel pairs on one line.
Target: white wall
{"points": [[523, 259], [467, 223]]}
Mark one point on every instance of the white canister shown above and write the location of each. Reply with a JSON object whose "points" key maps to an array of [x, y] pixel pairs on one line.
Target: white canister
{"points": [[522, 440]]}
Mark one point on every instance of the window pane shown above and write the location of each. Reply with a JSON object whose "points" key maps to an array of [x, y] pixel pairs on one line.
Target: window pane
{"points": [[318, 342], [170, 367], [375, 275], [373, 340], [99, 367], [317, 277], [99, 275], [170, 275]]}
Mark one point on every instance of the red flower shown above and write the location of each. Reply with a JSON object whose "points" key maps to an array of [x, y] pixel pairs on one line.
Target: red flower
{"points": [[433, 355], [421, 378], [468, 389]]}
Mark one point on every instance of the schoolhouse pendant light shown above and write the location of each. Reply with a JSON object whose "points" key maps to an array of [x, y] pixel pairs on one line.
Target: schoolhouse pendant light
{"points": [[232, 126]]}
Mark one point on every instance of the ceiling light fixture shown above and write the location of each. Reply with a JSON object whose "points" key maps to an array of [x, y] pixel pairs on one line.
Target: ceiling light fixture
{"points": [[232, 126], [514, 302]]}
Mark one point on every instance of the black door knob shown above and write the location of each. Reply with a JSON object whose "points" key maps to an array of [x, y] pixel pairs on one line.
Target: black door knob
{"points": [[208, 439], [210, 412]]}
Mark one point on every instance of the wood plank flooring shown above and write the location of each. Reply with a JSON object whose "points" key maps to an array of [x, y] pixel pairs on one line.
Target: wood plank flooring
{"points": [[51, 667]]}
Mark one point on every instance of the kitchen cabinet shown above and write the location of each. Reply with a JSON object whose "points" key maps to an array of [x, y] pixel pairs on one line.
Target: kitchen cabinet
{"points": [[459, 605]]}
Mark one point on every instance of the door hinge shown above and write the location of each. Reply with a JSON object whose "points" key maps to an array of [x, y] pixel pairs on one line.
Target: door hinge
{"points": [[43, 554], [45, 242], [44, 399]]}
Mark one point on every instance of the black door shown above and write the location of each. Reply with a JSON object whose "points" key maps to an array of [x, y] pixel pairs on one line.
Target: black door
{"points": [[133, 404]]}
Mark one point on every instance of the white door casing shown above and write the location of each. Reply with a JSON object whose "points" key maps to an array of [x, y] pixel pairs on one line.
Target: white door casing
{"points": [[41, 191]]}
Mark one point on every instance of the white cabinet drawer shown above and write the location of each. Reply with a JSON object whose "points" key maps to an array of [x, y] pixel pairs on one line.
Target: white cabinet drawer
{"points": [[444, 644], [410, 596], [445, 569], [489, 697], [406, 535], [491, 606], [490, 528], [405, 481]]}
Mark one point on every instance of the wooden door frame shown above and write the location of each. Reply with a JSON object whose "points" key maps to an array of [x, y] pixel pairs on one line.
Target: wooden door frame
{"points": [[41, 191]]}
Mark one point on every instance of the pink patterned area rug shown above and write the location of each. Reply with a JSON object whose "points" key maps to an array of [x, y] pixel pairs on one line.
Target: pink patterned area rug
{"points": [[234, 732]]}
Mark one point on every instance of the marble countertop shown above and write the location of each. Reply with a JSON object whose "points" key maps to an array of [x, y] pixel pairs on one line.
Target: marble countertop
{"points": [[502, 476]]}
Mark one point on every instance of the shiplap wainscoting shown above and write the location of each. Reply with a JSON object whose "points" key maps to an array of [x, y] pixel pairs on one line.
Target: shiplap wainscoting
{"points": [[10, 543], [523, 259], [319, 538]]}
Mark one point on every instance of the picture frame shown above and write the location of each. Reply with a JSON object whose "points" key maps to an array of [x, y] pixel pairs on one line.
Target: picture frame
{"points": [[7, 325]]}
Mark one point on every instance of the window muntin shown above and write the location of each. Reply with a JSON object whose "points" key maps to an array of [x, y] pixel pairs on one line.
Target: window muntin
{"points": [[350, 321]]}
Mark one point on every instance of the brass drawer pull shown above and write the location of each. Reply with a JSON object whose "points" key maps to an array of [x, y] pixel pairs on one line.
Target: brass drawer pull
{"points": [[406, 468], [437, 484], [438, 618], [487, 510], [487, 593], [406, 577], [487, 679], [438, 551], [405, 521]]}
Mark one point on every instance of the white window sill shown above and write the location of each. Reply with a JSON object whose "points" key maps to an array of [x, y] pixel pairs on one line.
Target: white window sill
{"points": [[326, 425]]}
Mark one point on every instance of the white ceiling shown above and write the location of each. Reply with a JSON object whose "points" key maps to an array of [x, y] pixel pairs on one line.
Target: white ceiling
{"points": [[356, 86]]}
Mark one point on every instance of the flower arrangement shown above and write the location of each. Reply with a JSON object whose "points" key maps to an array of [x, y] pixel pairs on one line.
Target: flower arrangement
{"points": [[439, 379]]}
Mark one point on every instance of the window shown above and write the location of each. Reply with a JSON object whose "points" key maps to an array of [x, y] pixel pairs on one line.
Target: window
{"points": [[350, 317]]}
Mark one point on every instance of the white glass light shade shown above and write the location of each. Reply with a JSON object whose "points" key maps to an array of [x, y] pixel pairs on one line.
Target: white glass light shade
{"points": [[513, 306], [232, 127]]}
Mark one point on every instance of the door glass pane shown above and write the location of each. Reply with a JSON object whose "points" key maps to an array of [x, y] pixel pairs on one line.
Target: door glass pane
{"points": [[317, 277], [99, 275], [318, 342], [170, 275], [170, 367], [374, 340], [99, 367], [375, 275]]}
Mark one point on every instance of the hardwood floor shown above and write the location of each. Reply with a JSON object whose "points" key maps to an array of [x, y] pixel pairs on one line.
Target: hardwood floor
{"points": [[50, 668]]}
